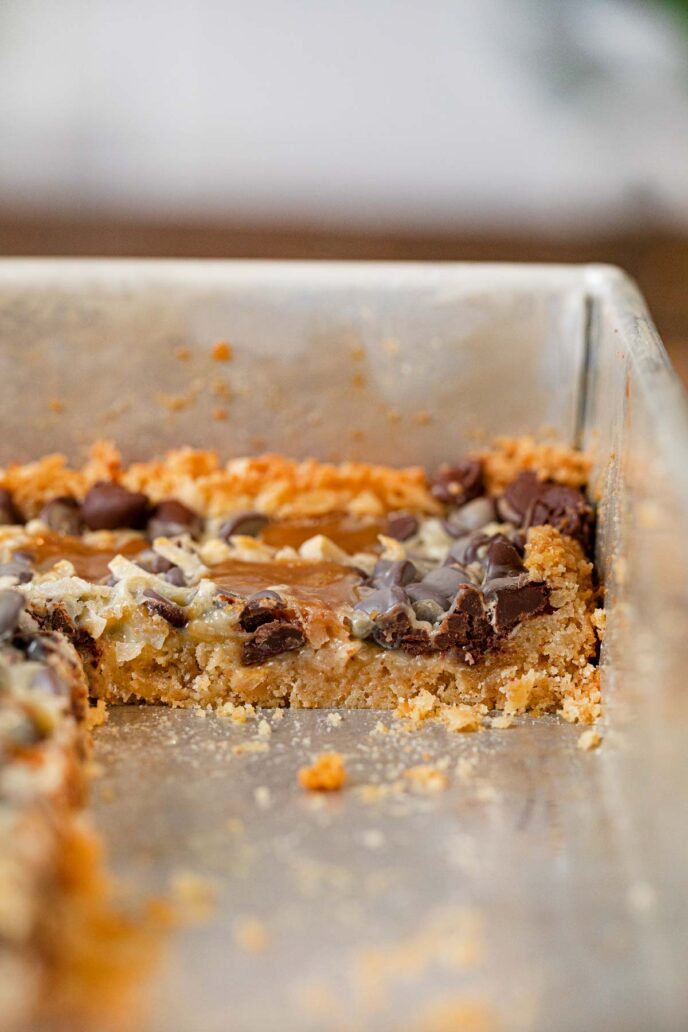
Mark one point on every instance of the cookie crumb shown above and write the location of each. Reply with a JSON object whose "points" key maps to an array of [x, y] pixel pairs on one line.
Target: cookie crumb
{"points": [[327, 774], [222, 351], [55, 405], [183, 354], [334, 719], [590, 739], [426, 779]]}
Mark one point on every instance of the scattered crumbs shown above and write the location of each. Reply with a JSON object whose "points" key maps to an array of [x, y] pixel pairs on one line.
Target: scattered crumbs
{"points": [[239, 714], [334, 719], [96, 715], [422, 417], [599, 622], [448, 1015], [182, 354], [418, 708], [250, 747], [55, 405], [219, 415], [327, 773], [486, 792], [264, 729], [222, 351], [425, 706], [372, 838], [374, 793], [426, 779], [380, 729], [502, 722], [277, 714], [391, 346], [358, 380], [194, 895], [220, 388], [235, 825], [176, 402], [251, 934], [461, 718], [262, 797], [590, 739]]}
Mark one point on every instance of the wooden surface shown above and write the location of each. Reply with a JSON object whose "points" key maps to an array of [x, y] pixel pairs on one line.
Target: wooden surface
{"points": [[658, 260]]}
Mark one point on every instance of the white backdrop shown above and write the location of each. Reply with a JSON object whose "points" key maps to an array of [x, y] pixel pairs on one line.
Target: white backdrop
{"points": [[420, 112]]}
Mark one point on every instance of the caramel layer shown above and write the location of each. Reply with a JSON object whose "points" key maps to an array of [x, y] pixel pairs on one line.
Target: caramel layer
{"points": [[327, 583], [90, 563], [349, 533]]}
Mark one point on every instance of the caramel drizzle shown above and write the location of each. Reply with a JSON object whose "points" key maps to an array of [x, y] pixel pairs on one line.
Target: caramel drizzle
{"points": [[89, 562], [350, 533]]}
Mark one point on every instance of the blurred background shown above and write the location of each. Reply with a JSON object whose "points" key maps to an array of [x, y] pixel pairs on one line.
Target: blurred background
{"points": [[404, 129]]}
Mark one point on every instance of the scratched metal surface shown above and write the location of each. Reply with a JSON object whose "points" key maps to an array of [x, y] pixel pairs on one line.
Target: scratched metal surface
{"points": [[545, 888], [510, 891]]}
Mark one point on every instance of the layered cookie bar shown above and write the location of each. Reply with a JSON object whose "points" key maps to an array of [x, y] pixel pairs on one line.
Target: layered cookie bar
{"points": [[278, 583]]}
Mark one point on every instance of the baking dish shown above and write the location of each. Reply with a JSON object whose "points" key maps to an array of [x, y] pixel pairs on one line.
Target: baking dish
{"points": [[573, 863]]}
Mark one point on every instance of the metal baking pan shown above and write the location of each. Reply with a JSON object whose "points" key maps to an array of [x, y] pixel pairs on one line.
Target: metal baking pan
{"points": [[545, 889]]}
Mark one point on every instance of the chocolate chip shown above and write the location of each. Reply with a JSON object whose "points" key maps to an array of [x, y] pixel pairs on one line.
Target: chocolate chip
{"points": [[392, 627], [390, 572], [381, 601], [170, 518], [175, 576], [11, 606], [401, 525], [466, 626], [108, 506], [510, 599], [503, 559], [530, 502], [18, 568], [151, 562], [63, 515], [161, 606], [446, 580], [471, 516], [8, 511], [424, 592], [466, 550], [272, 639], [455, 485], [261, 608], [430, 609], [249, 524], [416, 642]]}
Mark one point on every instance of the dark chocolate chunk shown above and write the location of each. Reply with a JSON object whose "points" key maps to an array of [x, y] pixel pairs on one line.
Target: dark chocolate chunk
{"points": [[272, 639], [455, 485], [389, 572], [108, 506], [11, 606], [401, 525], [170, 518], [511, 599], [18, 568], [58, 619], [8, 510], [63, 515], [529, 502], [446, 580], [382, 601], [466, 626], [471, 516], [392, 627], [161, 606], [503, 559], [261, 608], [249, 524], [416, 642]]}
